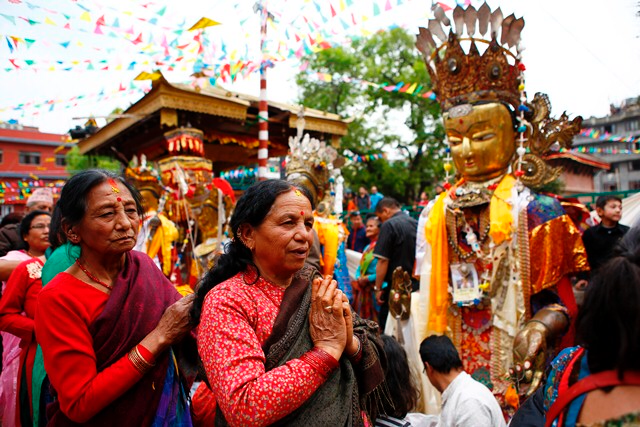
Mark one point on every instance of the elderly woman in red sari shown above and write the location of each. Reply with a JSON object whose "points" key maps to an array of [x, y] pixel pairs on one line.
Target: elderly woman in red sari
{"points": [[277, 344], [108, 325], [17, 310]]}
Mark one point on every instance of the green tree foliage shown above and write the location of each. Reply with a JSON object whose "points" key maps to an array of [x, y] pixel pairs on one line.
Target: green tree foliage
{"points": [[77, 162], [404, 124]]}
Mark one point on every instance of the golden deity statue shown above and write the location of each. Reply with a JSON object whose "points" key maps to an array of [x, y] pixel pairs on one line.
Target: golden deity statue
{"points": [[157, 234], [200, 205], [495, 276]]}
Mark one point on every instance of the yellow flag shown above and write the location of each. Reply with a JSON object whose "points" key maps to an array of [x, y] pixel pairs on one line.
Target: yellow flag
{"points": [[48, 20], [203, 23], [154, 75], [85, 17], [412, 88]]}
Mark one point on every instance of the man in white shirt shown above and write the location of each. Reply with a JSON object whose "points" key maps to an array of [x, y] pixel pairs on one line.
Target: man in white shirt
{"points": [[465, 401]]}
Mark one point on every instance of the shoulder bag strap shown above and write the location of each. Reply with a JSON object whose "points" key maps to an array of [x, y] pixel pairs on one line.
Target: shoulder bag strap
{"points": [[587, 384]]}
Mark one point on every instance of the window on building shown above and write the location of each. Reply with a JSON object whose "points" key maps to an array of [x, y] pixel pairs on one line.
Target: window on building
{"points": [[634, 125], [61, 160], [634, 165], [634, 185], [610, 187], [608, 128], [29, 158]]}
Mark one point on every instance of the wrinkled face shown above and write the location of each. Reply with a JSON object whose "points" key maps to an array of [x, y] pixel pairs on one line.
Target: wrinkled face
{"points": [[38, 236], [372, 229], [280, 244], [110, 224], [41, 206], [482, 142]]}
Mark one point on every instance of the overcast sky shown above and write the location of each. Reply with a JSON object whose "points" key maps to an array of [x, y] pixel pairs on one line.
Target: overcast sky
{"points": [[584, 54]]}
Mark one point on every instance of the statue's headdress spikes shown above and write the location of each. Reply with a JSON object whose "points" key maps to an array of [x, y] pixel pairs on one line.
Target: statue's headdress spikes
{"points": [[466, 76], [310, 163], [462, 76]]}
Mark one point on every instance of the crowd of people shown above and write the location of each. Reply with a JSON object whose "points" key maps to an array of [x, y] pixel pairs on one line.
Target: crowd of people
{"points": [[464, 317], [277, 340]]}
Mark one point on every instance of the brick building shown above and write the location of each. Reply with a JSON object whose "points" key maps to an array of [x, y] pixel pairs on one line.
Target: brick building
{"points": [[29, 159]]}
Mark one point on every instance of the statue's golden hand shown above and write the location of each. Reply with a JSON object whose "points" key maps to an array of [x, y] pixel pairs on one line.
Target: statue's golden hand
{"points": [[400, 294], [529, 355]]}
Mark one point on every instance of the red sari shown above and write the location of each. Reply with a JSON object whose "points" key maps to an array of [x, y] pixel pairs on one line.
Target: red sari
{"points": [[96, 335]]}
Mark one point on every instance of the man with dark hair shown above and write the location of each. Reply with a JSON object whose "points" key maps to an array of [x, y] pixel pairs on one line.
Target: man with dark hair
{"points": [[357, 239], [600, 239], [395, 248], [465, 401]]}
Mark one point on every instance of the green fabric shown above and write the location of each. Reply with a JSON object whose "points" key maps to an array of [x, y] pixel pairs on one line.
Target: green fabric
{"points": [[58, 261]]}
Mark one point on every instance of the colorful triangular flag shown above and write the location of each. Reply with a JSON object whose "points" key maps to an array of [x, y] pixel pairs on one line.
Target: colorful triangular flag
{"points": [[203, 23]]}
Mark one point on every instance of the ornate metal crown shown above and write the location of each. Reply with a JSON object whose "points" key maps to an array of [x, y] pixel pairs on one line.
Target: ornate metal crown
{"points": [[496, 75], [310, 163], [144, 176], [460, 77]]}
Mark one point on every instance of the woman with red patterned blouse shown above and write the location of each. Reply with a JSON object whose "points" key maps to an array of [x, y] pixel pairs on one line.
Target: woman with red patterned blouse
{"points": [[277, 344]]}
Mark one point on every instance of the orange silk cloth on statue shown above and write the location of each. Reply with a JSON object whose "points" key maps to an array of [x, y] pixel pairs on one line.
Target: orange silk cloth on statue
{"points": [[556, 246]]}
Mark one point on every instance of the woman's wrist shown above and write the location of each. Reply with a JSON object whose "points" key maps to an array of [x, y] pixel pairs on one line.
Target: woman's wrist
{"points": [[141, 359], [354, 352], [320, 360], [155, 343], [330, 350]]}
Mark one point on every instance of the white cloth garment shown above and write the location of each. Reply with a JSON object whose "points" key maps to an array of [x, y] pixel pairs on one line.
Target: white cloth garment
{"points": [[468, 403]]}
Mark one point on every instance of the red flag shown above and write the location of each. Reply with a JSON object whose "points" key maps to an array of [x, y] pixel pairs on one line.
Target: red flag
{"points": [[100, 20], [138, 40], [333, 11], [444, 6]]}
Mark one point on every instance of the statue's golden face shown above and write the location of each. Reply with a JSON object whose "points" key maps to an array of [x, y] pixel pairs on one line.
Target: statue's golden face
{"points": [[482, 141], [149, 200]]}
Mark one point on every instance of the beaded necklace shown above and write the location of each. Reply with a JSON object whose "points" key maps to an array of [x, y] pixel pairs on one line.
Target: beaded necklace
{"points": [[91, 276]]}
